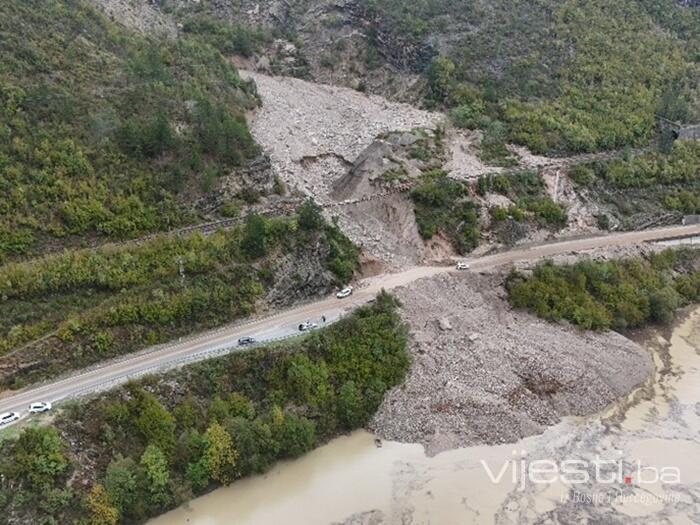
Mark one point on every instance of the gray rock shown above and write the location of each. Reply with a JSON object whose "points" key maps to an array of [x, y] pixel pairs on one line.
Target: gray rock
{"points": [[445, 324]]}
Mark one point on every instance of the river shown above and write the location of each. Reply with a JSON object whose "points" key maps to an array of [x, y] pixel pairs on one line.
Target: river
{"points": [[639, 461]]}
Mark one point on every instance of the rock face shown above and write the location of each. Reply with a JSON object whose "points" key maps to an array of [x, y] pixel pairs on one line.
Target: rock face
{"points": [[300, 275], [143, 16], [497, 375]]}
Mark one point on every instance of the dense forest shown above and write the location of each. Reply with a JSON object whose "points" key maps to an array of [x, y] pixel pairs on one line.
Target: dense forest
{"points": [[107, 133], [162, 440], [618, 294], [558, 76], [70, 310]]}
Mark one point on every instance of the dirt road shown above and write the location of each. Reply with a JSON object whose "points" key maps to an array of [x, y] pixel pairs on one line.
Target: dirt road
{"points": [[285, 323]]}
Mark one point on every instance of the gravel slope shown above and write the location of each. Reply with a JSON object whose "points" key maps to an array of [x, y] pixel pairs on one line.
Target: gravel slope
{"points": [[312, 132], [483, 373]]}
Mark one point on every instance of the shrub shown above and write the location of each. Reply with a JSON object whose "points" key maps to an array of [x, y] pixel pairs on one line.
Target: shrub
{"points": [[617, 294]]}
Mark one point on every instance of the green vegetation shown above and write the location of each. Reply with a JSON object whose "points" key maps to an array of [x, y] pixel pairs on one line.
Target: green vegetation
{"points": [[649, 183], [103, 130], [70, 310], [573, 75], [442, 205], [229, 40], [160, 441], [620, 294], [532, 204]]}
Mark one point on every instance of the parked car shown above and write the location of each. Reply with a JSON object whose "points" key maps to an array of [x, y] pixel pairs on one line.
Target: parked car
{"points": [[39, 407], [246, 340], [462, 265], [8, 417], [345, 292], [308, 325]]}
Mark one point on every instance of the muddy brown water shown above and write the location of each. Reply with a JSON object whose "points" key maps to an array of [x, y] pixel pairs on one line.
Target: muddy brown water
{"points": [[638, 462]]}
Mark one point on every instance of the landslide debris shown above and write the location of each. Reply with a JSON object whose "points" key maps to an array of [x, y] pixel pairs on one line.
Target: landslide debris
{"points": [[326, 141], [483, 373]]}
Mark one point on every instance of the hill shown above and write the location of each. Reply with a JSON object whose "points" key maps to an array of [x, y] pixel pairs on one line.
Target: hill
{"points": [[105, 132], [554, 76]]}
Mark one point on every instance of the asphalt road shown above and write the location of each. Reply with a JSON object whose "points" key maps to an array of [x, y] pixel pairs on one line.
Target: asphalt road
{"points": [[285, 323]]}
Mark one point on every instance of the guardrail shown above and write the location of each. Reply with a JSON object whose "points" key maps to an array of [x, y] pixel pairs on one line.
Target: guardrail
{"points": [[202, 355]]}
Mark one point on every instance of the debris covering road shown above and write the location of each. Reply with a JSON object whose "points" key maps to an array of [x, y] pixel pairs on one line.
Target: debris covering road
{"points": [[483, 373]]}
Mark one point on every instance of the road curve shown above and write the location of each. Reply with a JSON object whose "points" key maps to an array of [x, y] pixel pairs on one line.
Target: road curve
{"points": [[284, 323]]}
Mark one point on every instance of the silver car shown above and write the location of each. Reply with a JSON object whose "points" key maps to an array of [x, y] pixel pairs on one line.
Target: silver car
{"points": [[39, 407], [345, 292], [8, 417]]}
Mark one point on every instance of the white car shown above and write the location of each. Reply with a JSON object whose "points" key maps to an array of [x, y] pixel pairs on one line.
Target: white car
{"points": [[308, 325], [462, 265], [39, 407], [345, 292], [8, 417]]}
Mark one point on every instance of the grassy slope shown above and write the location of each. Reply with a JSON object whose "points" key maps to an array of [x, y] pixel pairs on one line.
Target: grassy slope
{"points": [[163, 440], [104, 132]]}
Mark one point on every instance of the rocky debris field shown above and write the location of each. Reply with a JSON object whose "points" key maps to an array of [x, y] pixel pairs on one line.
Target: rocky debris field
{"points": [[357, 154], [314, 133], [300, 124], [483, 373]]}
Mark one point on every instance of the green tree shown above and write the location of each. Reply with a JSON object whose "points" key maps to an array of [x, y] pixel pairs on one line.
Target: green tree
{"points": [[309, 216], [241, 406], [157, 473], [156, 424], [39, 457], [221, 456], [255, 443], [187, 413], [100, 508], [219, 410], [663, 304], [296, 435], [440, 78], [121, 479], [307, 380], [254, 241], [351, 409]]}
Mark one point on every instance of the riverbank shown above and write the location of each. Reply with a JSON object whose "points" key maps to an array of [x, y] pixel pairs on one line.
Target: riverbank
{"points": [[351, 481]]}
